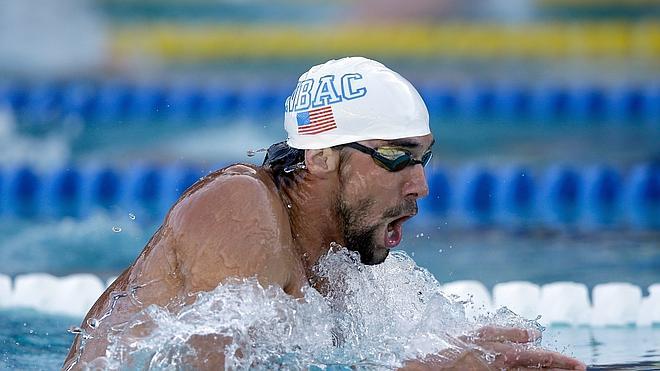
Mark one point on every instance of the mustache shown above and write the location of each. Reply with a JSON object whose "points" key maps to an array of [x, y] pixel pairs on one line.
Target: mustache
{"points": [[407, 207]]}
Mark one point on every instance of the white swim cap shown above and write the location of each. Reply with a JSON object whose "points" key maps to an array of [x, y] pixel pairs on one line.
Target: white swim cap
{"points": [[352, 99]]}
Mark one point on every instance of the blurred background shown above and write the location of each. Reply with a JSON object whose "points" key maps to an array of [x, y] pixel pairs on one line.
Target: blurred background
{"points": [[546, 167], [546, 115]]}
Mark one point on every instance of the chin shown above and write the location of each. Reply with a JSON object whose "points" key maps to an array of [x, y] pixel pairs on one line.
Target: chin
{"points": [[376, 255], [368, 242]]}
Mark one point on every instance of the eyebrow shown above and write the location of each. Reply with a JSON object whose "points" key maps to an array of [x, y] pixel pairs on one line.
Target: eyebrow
{"points": [[407, 143]]}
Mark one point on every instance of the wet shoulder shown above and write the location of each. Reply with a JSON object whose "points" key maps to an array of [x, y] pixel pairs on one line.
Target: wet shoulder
{"points": [[235, 193], [233, 225]]}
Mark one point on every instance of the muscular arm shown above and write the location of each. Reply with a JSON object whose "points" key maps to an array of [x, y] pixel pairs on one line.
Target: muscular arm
{"points": [[230, 224]]}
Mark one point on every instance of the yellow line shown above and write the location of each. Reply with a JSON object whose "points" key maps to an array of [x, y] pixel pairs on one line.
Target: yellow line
{"points": [[457, 40]]}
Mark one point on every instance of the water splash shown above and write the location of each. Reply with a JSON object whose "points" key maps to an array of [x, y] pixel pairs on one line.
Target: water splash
{"points": [[253, 152], [367, 316]]}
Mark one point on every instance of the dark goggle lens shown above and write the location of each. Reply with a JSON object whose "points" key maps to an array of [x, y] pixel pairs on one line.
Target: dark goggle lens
{"points": [[399, 163], [403, 160]]}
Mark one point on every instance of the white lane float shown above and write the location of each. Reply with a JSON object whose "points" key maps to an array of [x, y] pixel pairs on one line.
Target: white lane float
{"points": [[615, 304], [564, 303], [558, 303], [520, 296]]}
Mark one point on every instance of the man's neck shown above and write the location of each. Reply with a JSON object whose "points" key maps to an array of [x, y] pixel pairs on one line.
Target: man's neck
{"points": [[313, 218]]}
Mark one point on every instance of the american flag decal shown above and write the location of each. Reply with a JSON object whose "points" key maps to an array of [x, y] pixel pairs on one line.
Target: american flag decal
{"points": [[316, 121]]}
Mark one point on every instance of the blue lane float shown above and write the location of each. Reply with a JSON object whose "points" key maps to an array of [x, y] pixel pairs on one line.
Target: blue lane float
{"points": [[517, 197], [559, 196], [113, 100]]}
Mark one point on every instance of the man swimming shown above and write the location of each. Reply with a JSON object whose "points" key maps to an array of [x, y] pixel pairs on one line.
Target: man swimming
{"points": [[350, 172]]}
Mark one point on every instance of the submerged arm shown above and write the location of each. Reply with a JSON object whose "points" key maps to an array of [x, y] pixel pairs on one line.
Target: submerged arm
{"points": [[509, 348]]}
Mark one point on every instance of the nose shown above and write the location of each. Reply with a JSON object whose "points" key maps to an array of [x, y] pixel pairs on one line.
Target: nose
{"points": [[415, 184]]}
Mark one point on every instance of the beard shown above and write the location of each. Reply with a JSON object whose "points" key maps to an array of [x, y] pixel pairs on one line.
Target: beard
{"points": [[362, 237], [358, 235]]}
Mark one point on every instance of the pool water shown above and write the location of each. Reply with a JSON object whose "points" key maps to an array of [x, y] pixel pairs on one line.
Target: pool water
{"points": [[30, 340], [33, 340]]}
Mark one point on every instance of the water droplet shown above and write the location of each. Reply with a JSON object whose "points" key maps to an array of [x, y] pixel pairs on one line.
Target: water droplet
{"points": [[253, 152], [24, 324], [116, 229], [288, 205], [412, 254], [31, 331], [74, 330], [131, 216], [421, 234], [93, 322], [440, 250]]}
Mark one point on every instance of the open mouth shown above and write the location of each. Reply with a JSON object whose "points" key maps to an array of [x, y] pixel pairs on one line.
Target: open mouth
{"points": [[394, 232]]}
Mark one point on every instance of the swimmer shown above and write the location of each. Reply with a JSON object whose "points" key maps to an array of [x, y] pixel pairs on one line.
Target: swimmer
{"points": [[350, 172]]}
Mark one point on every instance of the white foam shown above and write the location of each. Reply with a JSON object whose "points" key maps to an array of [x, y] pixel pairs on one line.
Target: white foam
{"points": [[202, 144], [5, 291], [15, 148], [615, 304], [520, 296], [474, 293], [564, 303], [72, 295]]}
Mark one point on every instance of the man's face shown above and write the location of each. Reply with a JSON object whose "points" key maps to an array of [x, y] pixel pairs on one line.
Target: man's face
{"points": [[373, 202]]}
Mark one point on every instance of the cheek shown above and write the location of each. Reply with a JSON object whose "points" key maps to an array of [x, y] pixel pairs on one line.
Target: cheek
{"points": [[374, 184]]}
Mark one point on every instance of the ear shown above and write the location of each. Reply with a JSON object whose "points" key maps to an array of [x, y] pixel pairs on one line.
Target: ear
{"points": [[321, 162]]}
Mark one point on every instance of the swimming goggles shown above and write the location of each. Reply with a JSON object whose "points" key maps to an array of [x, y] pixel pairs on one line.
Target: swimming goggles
{"points": [[392, 158]]}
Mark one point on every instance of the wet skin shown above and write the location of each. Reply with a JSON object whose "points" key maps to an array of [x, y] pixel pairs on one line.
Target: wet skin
{"points": [[237, 222]]}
